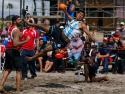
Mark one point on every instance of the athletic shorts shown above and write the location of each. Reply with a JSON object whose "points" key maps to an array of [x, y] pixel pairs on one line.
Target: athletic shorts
{"points": [[92, 69], [13, 60], [56, 33]]}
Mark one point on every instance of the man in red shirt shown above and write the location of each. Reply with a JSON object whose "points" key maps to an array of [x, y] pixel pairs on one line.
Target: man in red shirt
{"points": [[116, 36], [28, 50], [13, 59]]}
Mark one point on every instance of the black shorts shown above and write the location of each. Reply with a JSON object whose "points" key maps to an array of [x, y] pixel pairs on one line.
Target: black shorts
{"points": [[50, 59], [92, 70], [56, 33], [13, 60]]}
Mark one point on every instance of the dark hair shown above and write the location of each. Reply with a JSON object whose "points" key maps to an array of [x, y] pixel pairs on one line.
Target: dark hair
{"points": [[82, 11], [57, 21], [41, 39], [15, 17], [109, 38], [87, 43], [3, 35]]}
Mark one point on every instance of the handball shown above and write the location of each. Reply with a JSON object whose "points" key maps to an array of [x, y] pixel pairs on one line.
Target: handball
{"points": [[62, 6]]}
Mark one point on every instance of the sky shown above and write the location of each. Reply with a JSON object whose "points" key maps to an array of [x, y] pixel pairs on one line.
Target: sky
{"points": [[16, 5]]}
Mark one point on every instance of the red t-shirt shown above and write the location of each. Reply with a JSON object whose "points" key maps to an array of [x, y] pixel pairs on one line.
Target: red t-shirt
{"points": [[116, 36], [10, 38], [30, 45], [2, 49]]}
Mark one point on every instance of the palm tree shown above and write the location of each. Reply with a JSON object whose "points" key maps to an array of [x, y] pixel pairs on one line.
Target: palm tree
{"points": [[9, 6]]}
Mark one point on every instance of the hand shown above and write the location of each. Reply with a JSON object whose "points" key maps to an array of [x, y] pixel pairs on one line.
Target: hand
{"points": [[90, 61], [65, 10], [28, 38], [26, 21]]}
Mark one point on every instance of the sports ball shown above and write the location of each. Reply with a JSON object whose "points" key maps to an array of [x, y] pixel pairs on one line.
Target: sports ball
{"points": [[62, 6]]}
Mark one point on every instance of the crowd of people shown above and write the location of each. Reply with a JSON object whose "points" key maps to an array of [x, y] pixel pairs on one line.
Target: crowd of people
{"points": [[53, 47]]}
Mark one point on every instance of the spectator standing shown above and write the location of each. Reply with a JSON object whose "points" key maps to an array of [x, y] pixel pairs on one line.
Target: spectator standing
{"points": [[5, 30], [2, 51], [70, 10], [28, 50], [29, 17], [122, 30], [116, 36], [4, 41]]}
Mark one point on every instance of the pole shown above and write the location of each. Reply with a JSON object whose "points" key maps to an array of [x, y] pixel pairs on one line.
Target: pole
{"points": [[20, 8], [2, 9]]}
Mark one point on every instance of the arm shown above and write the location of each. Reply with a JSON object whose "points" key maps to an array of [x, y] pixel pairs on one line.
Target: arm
{"points": [[104, 55], [16, 36], [37, 45], [84, 29], [84, 59], [66, 13], [44, 28]]}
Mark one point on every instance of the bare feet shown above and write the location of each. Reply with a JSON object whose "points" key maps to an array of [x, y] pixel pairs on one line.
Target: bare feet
{"points": [[106, 78], [2, 90], [25, 79], [34, 78], [29, 58]]}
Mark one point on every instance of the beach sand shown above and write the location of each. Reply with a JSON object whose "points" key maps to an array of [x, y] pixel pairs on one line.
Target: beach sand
{"points": [[58, 83]]}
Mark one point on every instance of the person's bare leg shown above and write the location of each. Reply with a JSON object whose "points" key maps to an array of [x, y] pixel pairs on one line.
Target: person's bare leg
{"points": [[41, 53], [46, 66], [40, 26], [86, 72], [18, 80], [50, 66], [5, 75], [40, 64], [98, 79]]}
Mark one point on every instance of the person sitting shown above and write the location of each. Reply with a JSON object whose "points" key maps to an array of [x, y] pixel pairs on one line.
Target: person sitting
{"points": [[49, 61], [41, 47], [75, 48], [59, 56], [103, 55], [121, 56]]}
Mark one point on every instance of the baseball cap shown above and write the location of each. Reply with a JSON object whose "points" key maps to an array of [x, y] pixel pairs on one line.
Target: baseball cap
{"points": [[105, 39], [122, 23], [15, 17]]}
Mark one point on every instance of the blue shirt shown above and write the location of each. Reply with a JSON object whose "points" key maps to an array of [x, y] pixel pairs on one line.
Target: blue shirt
{"points": [[5, 43], [70, 13], [104, 51]]}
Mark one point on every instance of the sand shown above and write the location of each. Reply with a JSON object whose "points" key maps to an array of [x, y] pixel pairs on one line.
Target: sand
{"points": [[58, 83]]}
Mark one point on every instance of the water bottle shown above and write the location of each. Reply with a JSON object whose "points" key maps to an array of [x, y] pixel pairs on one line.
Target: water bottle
{"points": [[78, 74]]}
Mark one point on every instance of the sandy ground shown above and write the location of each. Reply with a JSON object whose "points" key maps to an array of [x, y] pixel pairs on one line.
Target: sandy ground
{"points": [[58, 83]]}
